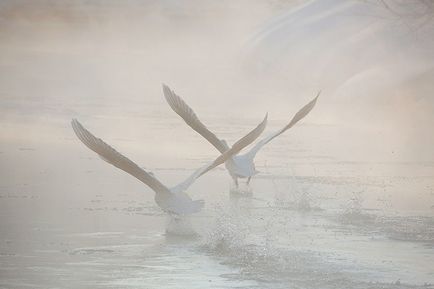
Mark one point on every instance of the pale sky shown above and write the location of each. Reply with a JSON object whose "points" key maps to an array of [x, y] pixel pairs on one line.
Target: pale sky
{"points": [[240, 59]]}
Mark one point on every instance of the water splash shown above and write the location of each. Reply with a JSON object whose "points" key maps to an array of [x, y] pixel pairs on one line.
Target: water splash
{"points": [[180, 226], [255, 243]]}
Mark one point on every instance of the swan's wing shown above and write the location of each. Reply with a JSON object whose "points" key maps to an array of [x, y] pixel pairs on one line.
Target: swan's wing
{"points": [[187, 114], [180, 188], [113, 157], [236, 148], [298, 116]]}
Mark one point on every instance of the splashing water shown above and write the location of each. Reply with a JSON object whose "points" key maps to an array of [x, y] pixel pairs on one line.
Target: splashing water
{"points": [[180, 226]]}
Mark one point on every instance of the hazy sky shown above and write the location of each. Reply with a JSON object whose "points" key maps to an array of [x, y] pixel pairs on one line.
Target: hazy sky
{"points": [[375, 66]]}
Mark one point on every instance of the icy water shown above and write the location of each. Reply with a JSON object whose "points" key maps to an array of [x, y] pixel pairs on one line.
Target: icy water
{"points": [[315, 218]]}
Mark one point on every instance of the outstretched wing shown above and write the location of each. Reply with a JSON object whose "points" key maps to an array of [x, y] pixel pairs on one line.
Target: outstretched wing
{"points": [[298, 116], [183, 110], [236, 148], [113, 157]]}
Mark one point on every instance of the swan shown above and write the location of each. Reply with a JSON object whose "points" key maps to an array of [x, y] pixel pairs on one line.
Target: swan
{"points": [[171, 200], [239, 165]]}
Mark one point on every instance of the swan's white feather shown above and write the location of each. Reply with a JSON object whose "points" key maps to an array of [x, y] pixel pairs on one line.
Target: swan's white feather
{"points": [[297, 117], [239, 166], [237, 147], [116, 159], [171, 200], [186, 112]]}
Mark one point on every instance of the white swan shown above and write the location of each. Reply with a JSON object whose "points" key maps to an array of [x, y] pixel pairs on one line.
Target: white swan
{"points": [[239, 166], [172, 200]]}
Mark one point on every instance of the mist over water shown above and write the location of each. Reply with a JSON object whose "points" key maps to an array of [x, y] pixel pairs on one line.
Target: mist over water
{"points": [[343, 200]]}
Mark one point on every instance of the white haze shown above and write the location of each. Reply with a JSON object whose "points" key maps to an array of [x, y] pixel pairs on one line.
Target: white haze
{"points": [[344, 199], [244, 57]]}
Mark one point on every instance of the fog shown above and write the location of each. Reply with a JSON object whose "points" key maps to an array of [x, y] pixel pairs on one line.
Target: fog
{"points": [[245, 57], [367, 146]]}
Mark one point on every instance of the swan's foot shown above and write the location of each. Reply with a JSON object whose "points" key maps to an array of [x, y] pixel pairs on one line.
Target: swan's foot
{"points": [[244, 191], [236, 183]]}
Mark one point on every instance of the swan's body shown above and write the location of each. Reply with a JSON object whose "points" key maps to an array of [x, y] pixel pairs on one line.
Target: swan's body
{"points": [[240, 165], [172, 200]]}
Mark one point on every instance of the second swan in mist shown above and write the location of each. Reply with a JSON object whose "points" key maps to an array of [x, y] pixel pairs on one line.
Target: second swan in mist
{"points": [[240, 165]]}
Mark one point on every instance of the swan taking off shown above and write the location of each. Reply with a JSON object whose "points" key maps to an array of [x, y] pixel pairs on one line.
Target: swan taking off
{"points": [[239, 166], [172, 200]]}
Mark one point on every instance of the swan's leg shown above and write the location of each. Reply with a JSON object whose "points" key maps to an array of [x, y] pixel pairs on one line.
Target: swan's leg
{"points": [[236, 182]]}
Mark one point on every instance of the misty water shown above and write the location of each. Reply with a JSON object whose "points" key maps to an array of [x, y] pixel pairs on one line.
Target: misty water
{"points": [[345, 199], [69, 220]]}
